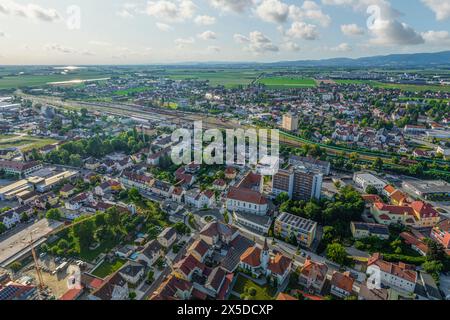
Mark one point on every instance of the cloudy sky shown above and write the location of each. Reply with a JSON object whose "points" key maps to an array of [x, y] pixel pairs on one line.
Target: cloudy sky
{"points": [[167, 31]]}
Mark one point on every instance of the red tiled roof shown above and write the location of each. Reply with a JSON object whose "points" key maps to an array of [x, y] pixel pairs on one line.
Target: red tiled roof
{"points": [[71, 294], [252, 257], [246, 195], [279, 264], [401, 210], [424, 210], [400, 270], [285, 297], [342, 281]]}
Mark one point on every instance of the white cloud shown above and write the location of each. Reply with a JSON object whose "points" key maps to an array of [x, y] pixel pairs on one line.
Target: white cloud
{"points": [[128, 10], [309, 10], [343, 47], [291, 46], [352, 30], [59, 48], [171, 11], [213, 49], [163, 26], [238, 6], [204, 20], [273, 11], [386, 10], [30, 10], [183, 42], [393, 32], [100, 43], [436, 37], [256, 42], [2, 34], [301, 30], [207, 35], [440, 7]]}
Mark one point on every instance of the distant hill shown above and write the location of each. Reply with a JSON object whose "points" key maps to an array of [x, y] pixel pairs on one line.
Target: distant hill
{"points": [[438, 59]]}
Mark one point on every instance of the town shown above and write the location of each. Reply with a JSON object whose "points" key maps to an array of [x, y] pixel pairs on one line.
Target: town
{"points": [[94, 208]]}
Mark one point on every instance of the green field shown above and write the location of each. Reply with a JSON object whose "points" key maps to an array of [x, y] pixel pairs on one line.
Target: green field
{"points": [[288, 82], [132, 90], [227, 78], [107, 268], [25, 143], [262, 292], [19, 81], [404, 87]]}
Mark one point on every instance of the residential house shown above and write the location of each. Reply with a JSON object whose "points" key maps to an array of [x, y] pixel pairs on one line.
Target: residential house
{"points": [[151, 253], [132, 272], [200, 250], [168, 237], [441, 233], [313, 275], [115, 287], [342, 284], [187, 267], [361, 230], [67, 191], [173, 288], [399, 276]]}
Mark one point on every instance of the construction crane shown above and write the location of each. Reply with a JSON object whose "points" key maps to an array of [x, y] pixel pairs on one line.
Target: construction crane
{"points": [[36, 264]]}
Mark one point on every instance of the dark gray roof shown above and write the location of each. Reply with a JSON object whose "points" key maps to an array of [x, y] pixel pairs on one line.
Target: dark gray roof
{"points": [[131, 268]]}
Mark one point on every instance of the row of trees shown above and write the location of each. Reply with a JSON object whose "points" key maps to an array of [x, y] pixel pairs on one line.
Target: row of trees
{"points": [[73, 152]]}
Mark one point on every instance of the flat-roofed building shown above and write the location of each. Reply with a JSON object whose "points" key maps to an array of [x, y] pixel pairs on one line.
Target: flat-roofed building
{"points": [[427, 189], [364, 180], [290, 122], [361, 230], [288, 225], [298, 182]]}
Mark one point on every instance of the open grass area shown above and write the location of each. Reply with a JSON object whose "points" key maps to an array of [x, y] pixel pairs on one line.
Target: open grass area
{"points": [[19, 81], [227, 78], [262, 292], [105, 246], [288, 82], [25, 143], [133, 90], [107, 268]]}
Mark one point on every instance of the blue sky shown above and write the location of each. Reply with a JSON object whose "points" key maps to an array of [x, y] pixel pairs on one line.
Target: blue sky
{"points": [[167, 31]]}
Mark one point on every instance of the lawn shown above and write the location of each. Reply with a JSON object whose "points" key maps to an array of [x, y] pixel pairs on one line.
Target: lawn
{"points": [[107, 268], [91, 255], [288, 82], [404, 87], [27, 143], [262, 292]]}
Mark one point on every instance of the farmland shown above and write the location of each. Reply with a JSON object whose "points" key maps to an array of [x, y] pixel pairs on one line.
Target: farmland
{"points": [[395, 86], [287, 82], [20, 81], [227, 78]]}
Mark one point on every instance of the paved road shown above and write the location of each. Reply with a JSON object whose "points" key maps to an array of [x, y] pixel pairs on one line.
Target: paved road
{"points": [[157, 282], [291, 252]]}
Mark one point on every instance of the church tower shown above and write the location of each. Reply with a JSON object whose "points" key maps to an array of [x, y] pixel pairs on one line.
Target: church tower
{"points": [[265, 256]]}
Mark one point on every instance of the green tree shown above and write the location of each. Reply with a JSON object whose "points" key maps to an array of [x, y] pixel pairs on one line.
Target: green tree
{"points": [[15, 266], [336, 253], [53, 214], [2, 228], [371, 190]]}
